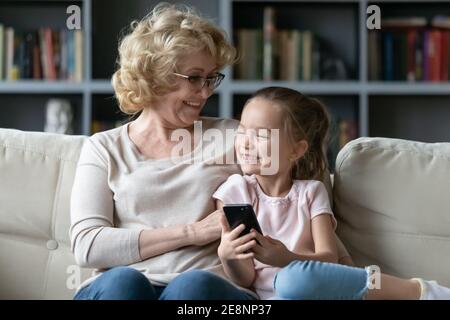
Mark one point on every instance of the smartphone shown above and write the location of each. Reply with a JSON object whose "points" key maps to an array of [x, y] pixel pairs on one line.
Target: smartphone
{"points": [[237, 214]]}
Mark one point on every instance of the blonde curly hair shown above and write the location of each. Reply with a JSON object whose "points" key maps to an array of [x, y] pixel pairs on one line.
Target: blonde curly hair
{"points": [[148, 55]]}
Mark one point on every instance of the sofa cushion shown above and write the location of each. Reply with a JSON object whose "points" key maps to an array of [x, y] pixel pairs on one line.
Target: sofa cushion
{"points": [[392, 201], [36, 176]]}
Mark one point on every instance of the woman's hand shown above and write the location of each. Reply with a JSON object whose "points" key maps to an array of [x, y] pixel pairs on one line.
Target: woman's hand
{"points": [[206, 230], [271, 251], [233, 247]]}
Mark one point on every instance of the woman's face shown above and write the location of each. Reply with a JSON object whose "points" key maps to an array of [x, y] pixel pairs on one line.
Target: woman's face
{"points": [[257, 145], [180, 108]]}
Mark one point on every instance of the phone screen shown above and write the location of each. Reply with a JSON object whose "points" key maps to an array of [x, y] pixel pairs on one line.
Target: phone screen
{"points": [[237, 214]]}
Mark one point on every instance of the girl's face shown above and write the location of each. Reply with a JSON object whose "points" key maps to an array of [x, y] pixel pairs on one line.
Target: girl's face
{"points": [[258, 145]]}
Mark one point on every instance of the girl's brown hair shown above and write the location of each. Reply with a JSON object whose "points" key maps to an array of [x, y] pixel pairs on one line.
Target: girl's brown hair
{"points": [[305, 118]]}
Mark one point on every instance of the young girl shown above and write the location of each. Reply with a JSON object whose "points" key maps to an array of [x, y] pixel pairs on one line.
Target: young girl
{"points": [[296, 257]]}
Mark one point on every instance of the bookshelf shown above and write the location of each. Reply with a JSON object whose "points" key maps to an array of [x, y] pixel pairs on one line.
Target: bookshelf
{"points": [[398, 109]]}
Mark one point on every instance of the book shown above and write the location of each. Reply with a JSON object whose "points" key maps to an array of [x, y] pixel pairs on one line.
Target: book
{"points": [[49, 54], [399, 56], [288, 43], [9, 56], [56, 52], [315, 59], [36, 52], [43, 52], [374, 55], [28, 57], [283, 43], [433, 55], [294, 37], [411, 54], [19, 53], [300, 57], [78, 56], [269, 31], [444, 55], [250, 54], [388, 56], [307, 55], [419, 56], [63, 62]]}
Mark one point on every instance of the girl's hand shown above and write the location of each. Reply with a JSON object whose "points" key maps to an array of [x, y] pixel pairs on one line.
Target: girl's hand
{"points": [[233, 247], [271, 251]]}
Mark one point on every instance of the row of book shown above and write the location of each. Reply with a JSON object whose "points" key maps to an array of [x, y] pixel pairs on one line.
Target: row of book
{"points": [[294, 56], [271, 54], [43, 54], [410, 49]]}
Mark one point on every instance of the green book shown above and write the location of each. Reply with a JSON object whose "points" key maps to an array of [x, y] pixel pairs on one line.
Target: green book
{"points": [[307, 55]]}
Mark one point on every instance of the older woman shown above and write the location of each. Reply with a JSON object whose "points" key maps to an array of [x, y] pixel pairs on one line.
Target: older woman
{"points": [[141, 206]]}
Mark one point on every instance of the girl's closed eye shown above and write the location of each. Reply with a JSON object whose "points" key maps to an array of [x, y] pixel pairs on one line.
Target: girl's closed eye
{"points": [[263, 134], [259, 133]]}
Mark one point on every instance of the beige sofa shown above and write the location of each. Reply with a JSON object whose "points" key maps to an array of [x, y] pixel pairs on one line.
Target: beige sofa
{"points": [[392, 200]]}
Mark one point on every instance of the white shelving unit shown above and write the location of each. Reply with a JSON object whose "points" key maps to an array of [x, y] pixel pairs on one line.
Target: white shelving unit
{"points": [[359, 88]]}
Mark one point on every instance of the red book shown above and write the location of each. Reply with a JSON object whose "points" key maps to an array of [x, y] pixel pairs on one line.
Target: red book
{"points": [[49, 54], [411, 52], [37, 71], [434, 55], [444, 54]]}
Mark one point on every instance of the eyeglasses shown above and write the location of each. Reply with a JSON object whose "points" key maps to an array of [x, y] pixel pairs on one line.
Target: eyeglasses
{"points": [[199, 82]]}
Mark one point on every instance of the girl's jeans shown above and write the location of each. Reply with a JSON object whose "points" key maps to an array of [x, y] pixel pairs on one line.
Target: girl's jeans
{"points": [[314, 280]]}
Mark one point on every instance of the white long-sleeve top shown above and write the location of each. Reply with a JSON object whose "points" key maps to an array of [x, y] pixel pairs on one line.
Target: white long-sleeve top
{"points": [[117, 193]]}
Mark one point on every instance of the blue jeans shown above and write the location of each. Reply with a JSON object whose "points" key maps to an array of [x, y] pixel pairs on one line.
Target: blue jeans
{"points": [[124, 283], [314, 280]]}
